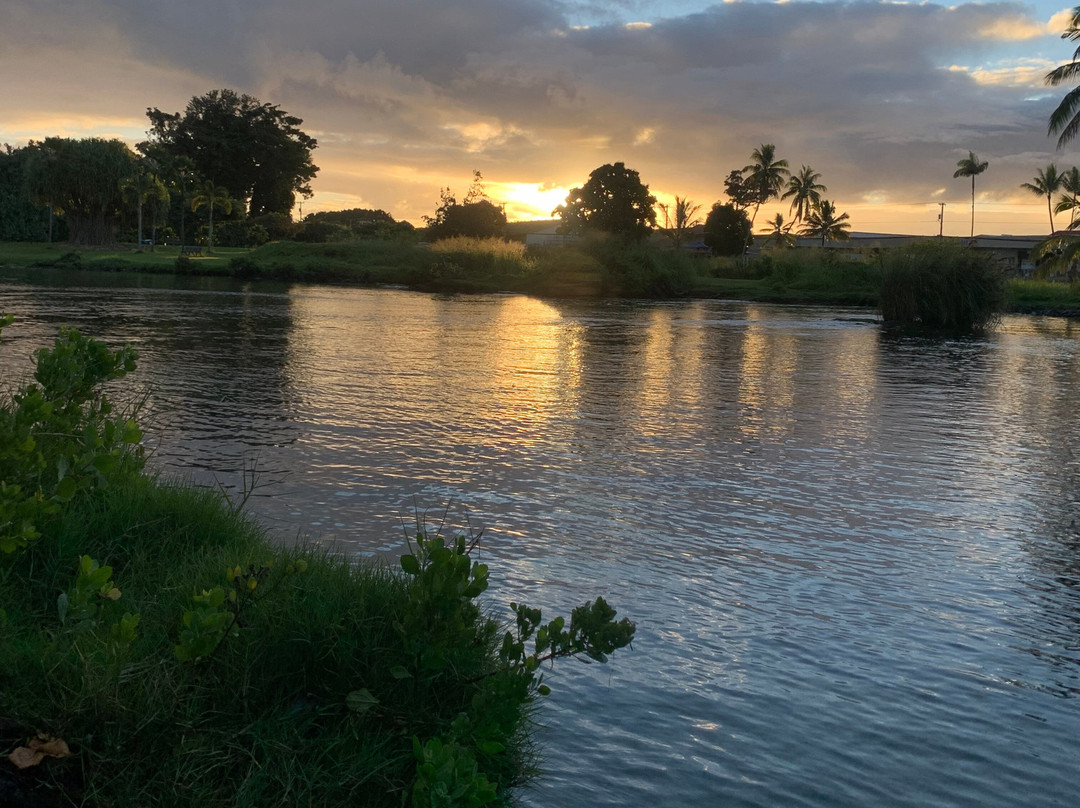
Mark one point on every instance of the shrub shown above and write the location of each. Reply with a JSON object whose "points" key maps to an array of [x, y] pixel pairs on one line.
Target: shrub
{"points": [[189, 661], [941, 285]]}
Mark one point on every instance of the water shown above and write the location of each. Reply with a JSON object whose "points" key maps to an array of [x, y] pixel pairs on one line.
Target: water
{"points": [[853, 560]]}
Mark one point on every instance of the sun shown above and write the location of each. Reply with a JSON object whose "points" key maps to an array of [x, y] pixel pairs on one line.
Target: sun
{"points": [[527, 200]]}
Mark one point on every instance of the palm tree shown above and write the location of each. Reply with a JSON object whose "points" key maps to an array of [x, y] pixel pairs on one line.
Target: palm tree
{"points": [[678, 224], [1070, 200], [1047, 183], [825, 222], [780, 235], [805, 191], [213, 196], [970, 166], [1059, 253], [1065, 120], [766, 175]]}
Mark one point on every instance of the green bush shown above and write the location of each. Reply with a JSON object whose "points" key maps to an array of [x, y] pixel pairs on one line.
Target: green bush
{"points": [[941, 285], [165, 653]]}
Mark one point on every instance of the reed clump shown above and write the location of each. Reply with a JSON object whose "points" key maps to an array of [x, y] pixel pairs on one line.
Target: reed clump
{"points": [[941, 286]]}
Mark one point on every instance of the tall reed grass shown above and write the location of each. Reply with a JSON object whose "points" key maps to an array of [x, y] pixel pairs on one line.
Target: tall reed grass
{"points": [[941, 285]]}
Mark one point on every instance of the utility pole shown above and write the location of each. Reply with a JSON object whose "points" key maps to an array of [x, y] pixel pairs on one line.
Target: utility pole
{"points": [[941, 220]]}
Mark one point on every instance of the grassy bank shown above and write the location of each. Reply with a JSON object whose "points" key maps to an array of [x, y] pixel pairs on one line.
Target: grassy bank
{"points": [[596, 268], [158, 650]]}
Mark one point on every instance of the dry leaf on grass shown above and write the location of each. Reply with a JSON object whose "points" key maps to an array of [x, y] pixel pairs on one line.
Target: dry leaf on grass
{"points": [[37, 749]]}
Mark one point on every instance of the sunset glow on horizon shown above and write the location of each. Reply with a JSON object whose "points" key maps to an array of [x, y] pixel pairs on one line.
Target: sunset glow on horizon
{"points": [[409, 97]]}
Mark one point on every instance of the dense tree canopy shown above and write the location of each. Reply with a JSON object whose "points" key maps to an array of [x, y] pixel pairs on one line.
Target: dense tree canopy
{"points": [[614, 201], [85, 179], [727, 230], [255, 150], [476, 216], [20, 219]]}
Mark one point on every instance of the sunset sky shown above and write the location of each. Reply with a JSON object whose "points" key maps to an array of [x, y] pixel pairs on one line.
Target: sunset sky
{"points": [[408, 96]]}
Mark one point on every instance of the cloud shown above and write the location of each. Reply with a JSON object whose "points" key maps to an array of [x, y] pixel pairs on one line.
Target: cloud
{"points": [[406, 96]]}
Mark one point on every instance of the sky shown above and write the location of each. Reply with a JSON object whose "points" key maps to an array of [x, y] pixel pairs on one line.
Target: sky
{"points": [[406, 97]]}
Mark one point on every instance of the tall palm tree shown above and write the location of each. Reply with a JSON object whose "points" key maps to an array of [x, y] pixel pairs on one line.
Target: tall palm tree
{"points": [[1065, 120], [824, 222], [1070, 200], [765, 175], [805, 191], [970, 166], [213, 196], [1046, 183]]}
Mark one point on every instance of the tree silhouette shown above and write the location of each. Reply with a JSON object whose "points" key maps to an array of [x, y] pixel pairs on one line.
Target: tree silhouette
{"points": [[1070, 201], [727, 230], [1065, 120], [780, 235], [970, 166], [614, 200], [825, 223], [765, 175], [805, 192], [679, 222], [1047, 182], [211, 195]]}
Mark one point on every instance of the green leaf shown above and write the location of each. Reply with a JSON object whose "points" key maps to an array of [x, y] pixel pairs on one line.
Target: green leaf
{"points": [[400, 672], [66, 489], [105, 463], [360, 701], [410, 564], [62, 606], [490, 747]]}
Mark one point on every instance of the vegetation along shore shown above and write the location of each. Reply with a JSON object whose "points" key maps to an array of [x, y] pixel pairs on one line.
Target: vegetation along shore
{"points": [[596, 268], [159, 650]]}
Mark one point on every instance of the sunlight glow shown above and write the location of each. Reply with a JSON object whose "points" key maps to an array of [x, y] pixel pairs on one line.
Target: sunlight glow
{"points": [[527, 200]]}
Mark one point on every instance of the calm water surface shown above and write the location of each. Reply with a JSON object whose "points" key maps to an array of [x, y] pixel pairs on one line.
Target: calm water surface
{"points": [[853, 560]]}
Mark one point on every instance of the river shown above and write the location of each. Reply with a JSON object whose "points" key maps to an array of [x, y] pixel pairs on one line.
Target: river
{"points": [[853, 559]]}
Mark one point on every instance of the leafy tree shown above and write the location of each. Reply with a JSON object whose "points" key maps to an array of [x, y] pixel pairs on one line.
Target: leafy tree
{"points": [[476, 217], [727, 230], [678, 222], [1047, 182], [1065, 119], [83, 178], [972, 167], [805, 192], [613, 201], [736, 189], [257, 150], [211, 196], [824, 222], [20, 219], [765, 175]]}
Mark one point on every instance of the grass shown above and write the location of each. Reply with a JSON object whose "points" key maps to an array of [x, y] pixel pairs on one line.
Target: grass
{"points": [[1044, 296], [264, 722], [64, 256], [941, 286], [590, 269]]}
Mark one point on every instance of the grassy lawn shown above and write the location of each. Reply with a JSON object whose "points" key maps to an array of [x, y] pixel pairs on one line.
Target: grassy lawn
{"points": [[116, 258]]}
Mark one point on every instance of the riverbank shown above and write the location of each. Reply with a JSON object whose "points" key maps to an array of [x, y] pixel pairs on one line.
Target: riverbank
{"points": [[160, 650], [591, 270]]}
